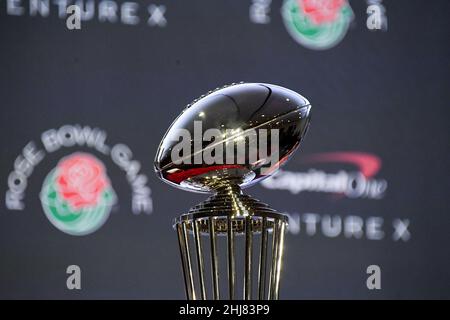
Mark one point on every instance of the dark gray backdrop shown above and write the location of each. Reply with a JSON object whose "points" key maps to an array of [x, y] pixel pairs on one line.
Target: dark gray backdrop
{"points": [[383, 93]]}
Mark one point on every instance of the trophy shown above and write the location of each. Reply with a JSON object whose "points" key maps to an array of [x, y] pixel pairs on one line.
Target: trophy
{"points": [[231, 245]]}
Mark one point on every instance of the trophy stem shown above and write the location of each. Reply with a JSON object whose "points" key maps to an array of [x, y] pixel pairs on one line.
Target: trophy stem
{"points": [[248, 259], [245, 226], [231, 265], [262, 270], [214, 258]]}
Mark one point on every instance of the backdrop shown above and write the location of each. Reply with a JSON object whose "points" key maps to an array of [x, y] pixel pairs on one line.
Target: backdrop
{"points": [[369, 186]]}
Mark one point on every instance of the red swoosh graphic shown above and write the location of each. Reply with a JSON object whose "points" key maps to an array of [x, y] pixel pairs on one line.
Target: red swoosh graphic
{"points": [[367, 163]]}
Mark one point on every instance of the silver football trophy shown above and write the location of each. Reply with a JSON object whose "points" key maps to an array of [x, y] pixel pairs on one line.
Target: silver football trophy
{"points": [[223, 142]]}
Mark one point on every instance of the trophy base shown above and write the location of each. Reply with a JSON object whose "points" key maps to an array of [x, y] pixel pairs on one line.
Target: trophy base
{"points": [[224, 217]]}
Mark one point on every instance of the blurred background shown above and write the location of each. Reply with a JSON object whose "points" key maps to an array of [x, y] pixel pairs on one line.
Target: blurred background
{"points": [[369, 186]]}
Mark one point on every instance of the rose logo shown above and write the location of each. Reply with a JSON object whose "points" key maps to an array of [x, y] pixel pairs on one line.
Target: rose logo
{"points": [[77, 195], [321, 11], [317, 24]]}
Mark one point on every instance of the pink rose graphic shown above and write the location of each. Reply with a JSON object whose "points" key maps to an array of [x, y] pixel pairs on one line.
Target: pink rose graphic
{"points": [[321, 11], [81, 180]]}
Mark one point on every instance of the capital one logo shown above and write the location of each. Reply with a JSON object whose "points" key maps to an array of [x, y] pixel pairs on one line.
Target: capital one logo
{"points": [[317, 24], [358, 182]]}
